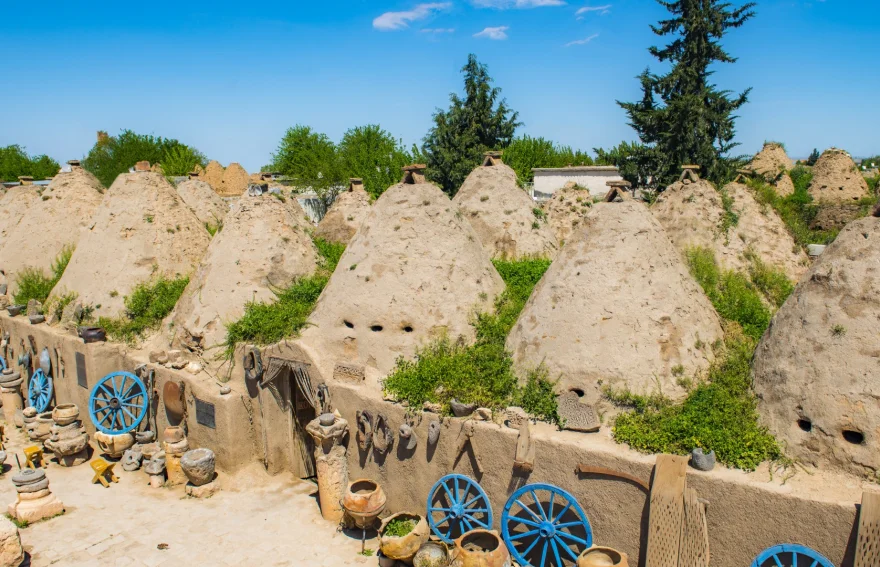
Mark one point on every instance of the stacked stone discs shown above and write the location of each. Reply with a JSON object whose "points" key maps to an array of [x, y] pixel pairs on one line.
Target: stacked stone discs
{"points": [[35, 501], [175, 445], [68, 438], [10, 393]]}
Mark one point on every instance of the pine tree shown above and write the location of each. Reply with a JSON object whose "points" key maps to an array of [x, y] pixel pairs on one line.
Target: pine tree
{"points": [[681, 115], [472, 125], [814, 157]]}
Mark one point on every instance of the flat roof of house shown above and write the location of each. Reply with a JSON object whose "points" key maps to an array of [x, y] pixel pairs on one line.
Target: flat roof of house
{"points": [[574, 169]]}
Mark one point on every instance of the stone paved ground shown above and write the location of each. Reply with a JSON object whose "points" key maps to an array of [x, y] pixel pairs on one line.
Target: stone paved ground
{"points": [[255, 520]]}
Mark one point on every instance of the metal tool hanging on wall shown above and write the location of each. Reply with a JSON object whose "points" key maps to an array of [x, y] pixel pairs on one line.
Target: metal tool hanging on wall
{"points": [[383, 435], [323, 395]]}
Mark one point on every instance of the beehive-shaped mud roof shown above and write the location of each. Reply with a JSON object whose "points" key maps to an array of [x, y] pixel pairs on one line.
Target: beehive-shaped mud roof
{"points": [[566, 211], [235, 180], [773, 164], [617, 308], [213, 175], [693, 214], [817, 368], [141, 230], [345, 215], [207, 205], [263, 245], [55, 220], [836, 178], [503, 215], [13, 206], [414, 270]]}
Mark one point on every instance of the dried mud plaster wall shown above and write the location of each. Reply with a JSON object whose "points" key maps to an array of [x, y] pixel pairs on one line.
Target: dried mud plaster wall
{"points": [[231, 439], [744, 518]]}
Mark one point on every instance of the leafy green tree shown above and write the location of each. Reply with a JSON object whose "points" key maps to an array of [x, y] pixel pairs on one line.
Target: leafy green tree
{"points": [[15, 162], [116, 154], [478, 122], [814, 157], [525, 153], [637, 163], [371, 153], [311, 159], [681, 114]]}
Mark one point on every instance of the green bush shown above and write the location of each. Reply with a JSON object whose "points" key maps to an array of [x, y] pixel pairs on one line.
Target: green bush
{"points": [[148, 304], [481, 373], [718, 415], [525, 153], [733, 295], [267, 323], [33, 283], [15, 162], [771, 282]]}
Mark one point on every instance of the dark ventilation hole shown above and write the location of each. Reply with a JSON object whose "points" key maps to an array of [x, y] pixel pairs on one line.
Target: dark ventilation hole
{"points": [[854, 437], [578, 391], [805, 425], [376, 328], [348, 324], [408, 329]]}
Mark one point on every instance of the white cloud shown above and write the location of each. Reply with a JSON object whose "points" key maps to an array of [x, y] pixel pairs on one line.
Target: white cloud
{"points": [[505, 4], [584, 41], [399, 20], [498, 33], [582, 12], [438, 30]]}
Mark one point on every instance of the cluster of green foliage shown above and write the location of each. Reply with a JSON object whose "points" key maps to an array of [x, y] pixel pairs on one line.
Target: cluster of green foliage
{"points": [[814, 157], [148, 304], [399, 527], [729, 218], [481, 373], [113, 155], [15, 162], [474, 124], [681, 114], [771, 282], [33, 283], [314, 161], [732, 293], [720, 413], [637, 163], [525, 153], [267, 323], [797, 210]]}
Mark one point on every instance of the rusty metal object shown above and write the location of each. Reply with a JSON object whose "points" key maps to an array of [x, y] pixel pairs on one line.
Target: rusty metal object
{"points": [[383, 436], [590, 469], [364, 429], [480, 548], [465, 438]]}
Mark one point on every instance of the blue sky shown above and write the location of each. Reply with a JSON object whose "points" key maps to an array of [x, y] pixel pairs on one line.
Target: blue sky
{"points": [[230, 77]]}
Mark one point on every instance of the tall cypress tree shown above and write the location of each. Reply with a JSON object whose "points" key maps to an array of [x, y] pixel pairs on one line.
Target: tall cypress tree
{"points": [[472, 125], [681, 115]]}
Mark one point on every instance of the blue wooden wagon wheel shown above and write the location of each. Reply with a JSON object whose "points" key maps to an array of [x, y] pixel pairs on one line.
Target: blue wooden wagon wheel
{"points": [[790, 555], [118, 403], [2, 363], [40, 391], [544, 525], [457, 504]]}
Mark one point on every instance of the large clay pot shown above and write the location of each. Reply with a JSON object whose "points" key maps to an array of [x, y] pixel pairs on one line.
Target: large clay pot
{"points": [[403, 548], [114, 445], [65, 414], [364, 497], [602, 557], [480, 548], [198, 466], [43, 427], [432, 554]]}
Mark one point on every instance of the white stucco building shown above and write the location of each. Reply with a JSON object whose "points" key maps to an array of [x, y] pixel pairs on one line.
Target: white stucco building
{"points": [[592, 177]]}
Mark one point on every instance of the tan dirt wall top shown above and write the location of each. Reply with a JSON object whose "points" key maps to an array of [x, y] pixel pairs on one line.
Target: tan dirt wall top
{"points": [[207, 205]]}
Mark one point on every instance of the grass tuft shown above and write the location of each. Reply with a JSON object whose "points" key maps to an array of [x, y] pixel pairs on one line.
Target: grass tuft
{"points": [[148, 304], [33, 283]]}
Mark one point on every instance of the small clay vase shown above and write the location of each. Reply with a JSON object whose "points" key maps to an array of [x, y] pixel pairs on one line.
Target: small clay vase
{"points": [[65, 414]]}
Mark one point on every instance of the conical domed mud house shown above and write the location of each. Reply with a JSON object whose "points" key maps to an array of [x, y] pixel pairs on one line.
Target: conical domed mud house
{"points": [[502, 214], [141, 230], [693, 214], [52, 222], [617, 308], [413, 271], [207, 205], [816, 369], [773, 164], [263, 245], [836, 179], [345, 214]]}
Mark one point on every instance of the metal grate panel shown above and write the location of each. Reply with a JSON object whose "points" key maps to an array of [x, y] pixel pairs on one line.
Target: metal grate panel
{"points": [[205, 413], [81, 377]]}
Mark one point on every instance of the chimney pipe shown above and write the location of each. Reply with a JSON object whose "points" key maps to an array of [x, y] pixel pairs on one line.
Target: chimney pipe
{"points": [[413, 174]]}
